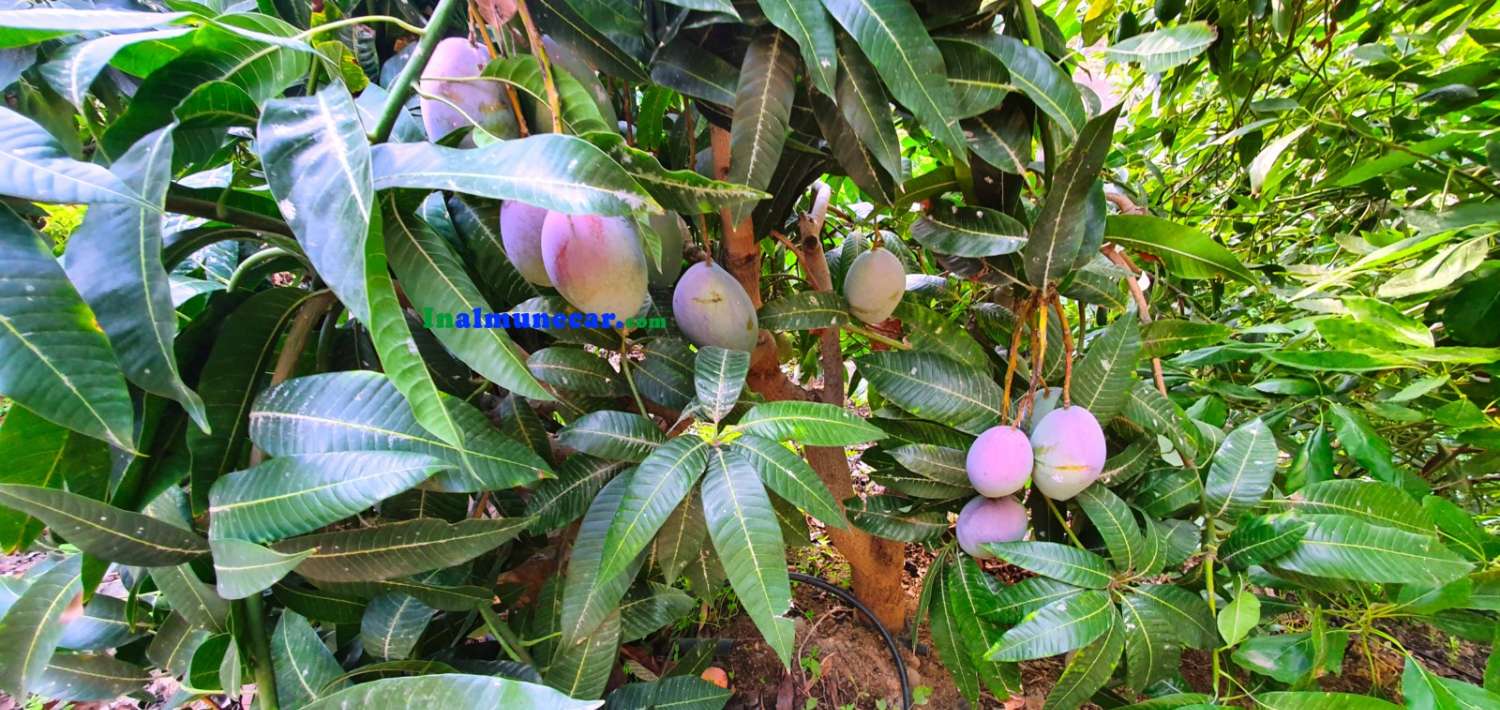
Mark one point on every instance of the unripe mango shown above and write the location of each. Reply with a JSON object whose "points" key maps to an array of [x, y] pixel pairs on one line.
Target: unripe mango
{"points": [[874, 285], [458, 58], [999, 461], [595, 262], [712, 308], [674, 233], [990, 520], [521, 235], [1069, 447]]}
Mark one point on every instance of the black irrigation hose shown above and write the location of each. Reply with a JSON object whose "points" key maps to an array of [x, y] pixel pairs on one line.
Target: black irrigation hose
{"points": [[853, 601]]}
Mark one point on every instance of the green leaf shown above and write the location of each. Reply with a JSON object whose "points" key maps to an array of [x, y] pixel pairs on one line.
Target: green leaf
{"points": [[1101, 380], [807, 23], [134, 304], [719, 377], [1371, 451], [305, 668], [553, 171], [392, 625], [1116, 524], [575, 370], [680, 542], [363, 411], [232, 375], [892, 36], [290, 495], [1337, 360], [1344, 547], [1372, 501], [33, 626], [1044, 82], [582, 670], [1002, 138], [450, 690], [1393, 159], [1187, 252], [945, 625], [242, 568], [40, 453], [745, 533], [173, 645], [313, 147], [977, 78], [969, 231], [56, 360], [1260, 539], [644, 615], [1169, 336], [665, 373], [1090, 669], [1439, 271], [40, 169], [683, 191], [1187, 615], [809, 423], [1016, 601], [1164, 49], [686, 68], [433, 277], [1239, 617], [103, 625], [320, 604], [658, 485], [678, 692], [1060, 562], [865, 106], [620, 436], [934, 387], [1057, 233], [1059, 627], [890, 517], [790, 477], [398, 549], [806, 310], [762, 110], [1242, 469], [965, 601], [559, 501], [31, 25], [939, 463], [588, 597], [104, 531], [1152, 650], [941, 334], [192, 598], [580, 115], [89, 677], [1321, 701]]}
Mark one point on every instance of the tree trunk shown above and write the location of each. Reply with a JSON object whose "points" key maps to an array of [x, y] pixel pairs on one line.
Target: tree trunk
{"points": [[875, 563]]}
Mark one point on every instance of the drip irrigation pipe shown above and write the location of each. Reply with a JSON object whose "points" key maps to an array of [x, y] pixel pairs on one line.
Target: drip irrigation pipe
{"points": [[890, 643]]}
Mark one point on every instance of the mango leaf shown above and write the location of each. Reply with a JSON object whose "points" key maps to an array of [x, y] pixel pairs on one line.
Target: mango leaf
{"points": [[1090, 669], [1371, 451], [398, 549], [1439, 271], [661, 482], [977, 78], [56, 361], [1239, 617], [948, 634], [105, 531], [1057, 233], [806, 310], [620, 436], [942, 334], [451, 690], [576, 31], [363, 411], [1372, 501], [588, 598], [1059, 627], [1168, 336], [679, 691], [1045, 83], [174, 643], [40, 453], [762, 110], [1002, 138], [665, 374], [559, 501], [684, 67], [1101, 380], [1060, 562], [1242, 469], [1187, 615], [1152, 650], [895, 518], [719, 377], [1187, 252], [809, 423], [313, 147], [305, 669], [967, 597], [807, 23], [192, 598], [433, 276], [33, 626], [744, 532], [232, 375], [1260, 539], [290, 495], [892, 36], [934, 387], [1016, 601], [683, 191], [641, 616], [969, 231], [34, 24], [790, 477], [580, 115], [865, 106], [575, 370], [1344, 547], [72, 70], [582, 670], [392, 625], [89, 677], [1116, 524], [1164, 49], [243, 568], [38, 168], [939, 463], [105, 624], [557, 172]]}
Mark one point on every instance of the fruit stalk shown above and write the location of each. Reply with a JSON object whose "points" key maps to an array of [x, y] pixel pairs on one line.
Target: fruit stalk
{"points": [[400, 90], [535, 37], [1067, 338], [1013, 357]]}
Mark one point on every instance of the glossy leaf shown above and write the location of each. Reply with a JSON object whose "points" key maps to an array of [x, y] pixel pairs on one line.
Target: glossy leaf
{"points": [[1242, 469], [305, 669], [242, 568], [719, 377], [32, 628], [1057, 233], [392, 625], [934, 387], [660, 483], [865, 106], [1260, 539], [790, 477], [38, 168], [40, 453], [969, 231], [807, 310], [1187, 252], [588, 598], [1059, 627], [894, 518], [619, 436], [1060, 562], [809, 423], [453, 691], [1102, 378], [1166, 48], [1116, 524], [559, 501], [398, 549], [1042, 81], [105, 531], [1169, 336], [575, 370], [90, 677], [1090, 669], [1344, 547]]}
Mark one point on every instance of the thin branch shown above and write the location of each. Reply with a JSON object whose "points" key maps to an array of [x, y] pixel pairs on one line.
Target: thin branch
{"points": [[540, 52], [400, 89]]}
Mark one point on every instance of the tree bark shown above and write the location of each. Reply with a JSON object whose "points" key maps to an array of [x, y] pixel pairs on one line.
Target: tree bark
{"points": [[875, 563]]}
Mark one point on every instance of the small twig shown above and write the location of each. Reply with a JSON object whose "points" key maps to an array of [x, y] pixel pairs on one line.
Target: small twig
{"points": [[1144, 308], [630, 380], [877, 337], [692, 159], [540, 52], [1063, 522], [1067, 337], [1012, 358], [291, 350], [400, 89]]}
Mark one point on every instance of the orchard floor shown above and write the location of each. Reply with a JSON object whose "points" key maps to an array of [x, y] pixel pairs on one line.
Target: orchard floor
{"points": [[842, 663]]}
